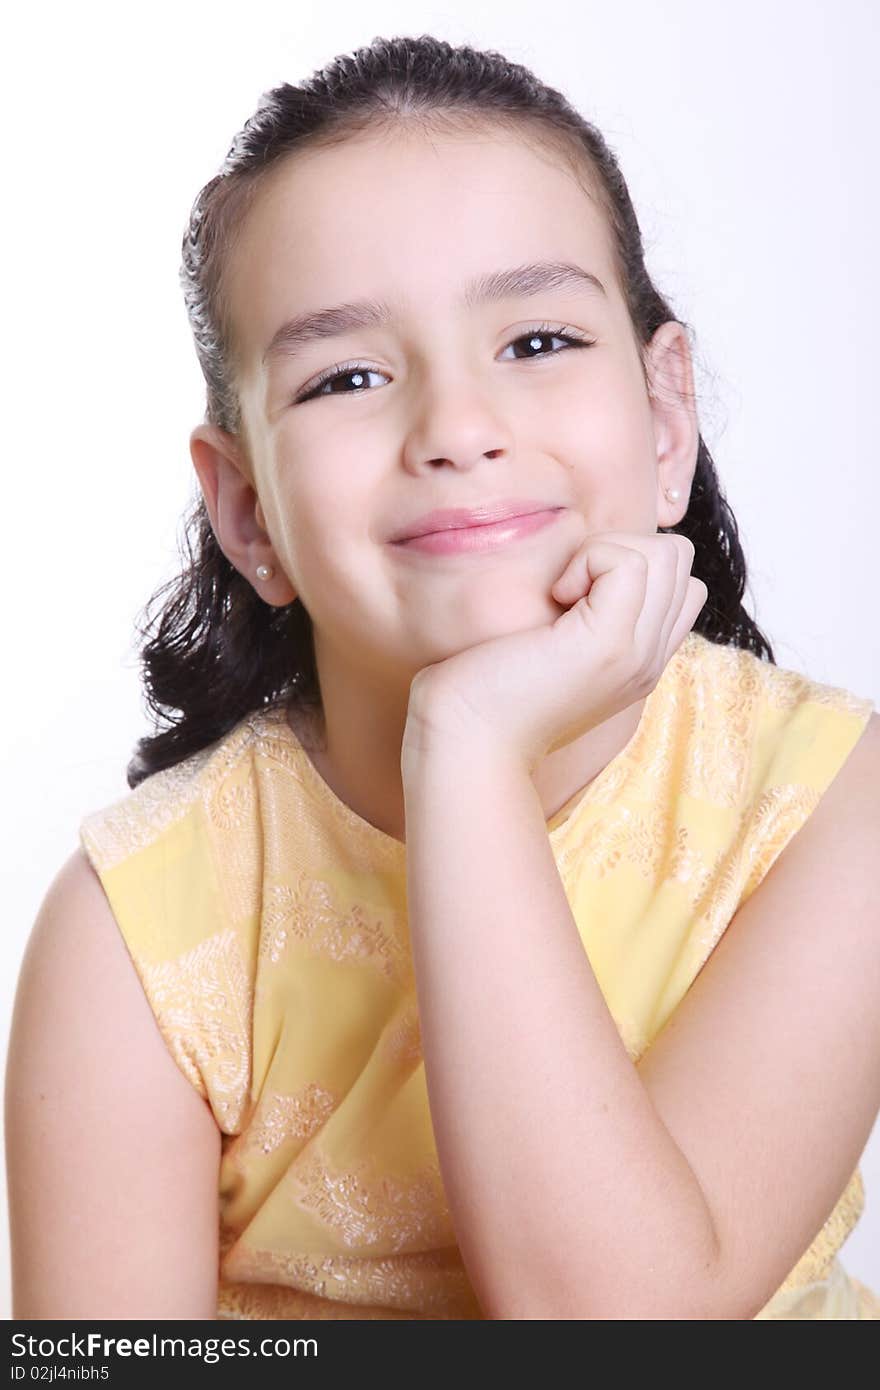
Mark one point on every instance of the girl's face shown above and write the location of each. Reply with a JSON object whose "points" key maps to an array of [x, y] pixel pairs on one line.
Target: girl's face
{"points": [[452, 403]]}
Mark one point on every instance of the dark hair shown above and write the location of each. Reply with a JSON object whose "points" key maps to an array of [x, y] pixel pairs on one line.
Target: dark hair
{"points": [[220, 652]]}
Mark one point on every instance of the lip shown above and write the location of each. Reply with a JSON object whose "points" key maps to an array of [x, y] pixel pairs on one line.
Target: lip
{"points": [[459, 518], [456, 540]]}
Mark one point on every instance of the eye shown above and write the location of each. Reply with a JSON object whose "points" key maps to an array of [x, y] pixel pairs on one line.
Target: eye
{"points": [[555, 335], [358, 372]]}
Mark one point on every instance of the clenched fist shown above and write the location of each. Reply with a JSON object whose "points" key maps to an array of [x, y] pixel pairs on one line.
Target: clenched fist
{"points": [[629, 601]]}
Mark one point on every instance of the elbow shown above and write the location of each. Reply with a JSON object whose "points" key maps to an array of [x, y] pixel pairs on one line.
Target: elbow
{"points": [[708, 1296]]}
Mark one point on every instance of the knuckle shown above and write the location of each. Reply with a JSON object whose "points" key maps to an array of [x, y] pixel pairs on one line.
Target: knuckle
{"points": [[645, 683], [614, 654], [645, 673], [636, 559]]}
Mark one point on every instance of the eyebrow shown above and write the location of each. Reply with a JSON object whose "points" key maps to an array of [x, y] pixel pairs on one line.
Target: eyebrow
{"points": [[518, 282]]}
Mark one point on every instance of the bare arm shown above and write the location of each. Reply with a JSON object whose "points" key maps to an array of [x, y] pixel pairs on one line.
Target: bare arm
{"points": [[112, 1156], [580, 1185]]}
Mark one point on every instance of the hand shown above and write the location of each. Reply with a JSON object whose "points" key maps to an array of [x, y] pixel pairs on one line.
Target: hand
{"points": [[629, 601]]}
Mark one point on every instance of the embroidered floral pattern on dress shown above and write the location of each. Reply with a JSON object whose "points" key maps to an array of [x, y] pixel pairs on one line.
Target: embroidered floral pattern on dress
{"points": [[282, 1120], [137, 819], [431, 1283], [369, 1211], [202, 1006], [402, 1044], [306, 915]]}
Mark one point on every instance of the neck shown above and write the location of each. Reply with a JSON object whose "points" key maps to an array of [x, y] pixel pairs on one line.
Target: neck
{"points": [[355, 748]]}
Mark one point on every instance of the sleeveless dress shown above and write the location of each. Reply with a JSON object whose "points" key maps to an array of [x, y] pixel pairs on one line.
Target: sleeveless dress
{"points": [[267, 924]]}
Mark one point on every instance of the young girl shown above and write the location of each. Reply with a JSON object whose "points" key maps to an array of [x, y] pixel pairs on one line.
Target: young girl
{"points": [[491, 931]]}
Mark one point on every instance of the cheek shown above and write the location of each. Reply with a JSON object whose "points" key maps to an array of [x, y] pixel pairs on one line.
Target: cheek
{"points": [[332, 557], [612, 479], [603, 418]]}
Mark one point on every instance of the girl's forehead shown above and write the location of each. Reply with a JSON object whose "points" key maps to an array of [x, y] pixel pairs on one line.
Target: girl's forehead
{"points": [[410, 177], [410, 222], [381, 211]]}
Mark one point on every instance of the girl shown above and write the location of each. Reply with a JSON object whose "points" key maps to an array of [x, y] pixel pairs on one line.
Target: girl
{"points": [[491, 927]]}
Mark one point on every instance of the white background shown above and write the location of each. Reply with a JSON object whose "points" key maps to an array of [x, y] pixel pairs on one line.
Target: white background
{"points": [[747, 133]]}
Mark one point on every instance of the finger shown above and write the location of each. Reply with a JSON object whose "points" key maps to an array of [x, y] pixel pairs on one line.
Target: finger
{"points": [[617, 579], [685, 555], [570, 585], [695, 600], [669, 559]]}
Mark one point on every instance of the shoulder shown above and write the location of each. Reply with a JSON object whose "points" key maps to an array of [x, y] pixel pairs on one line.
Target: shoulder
{"points": [[74, 931], [79, 987], [860, 772], [867, 750], [121, 829], [83, 1047], [179, 858], [791, 727]]}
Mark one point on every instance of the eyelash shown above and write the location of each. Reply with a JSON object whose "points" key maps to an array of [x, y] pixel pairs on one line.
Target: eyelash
{"points": [[543, 330]]}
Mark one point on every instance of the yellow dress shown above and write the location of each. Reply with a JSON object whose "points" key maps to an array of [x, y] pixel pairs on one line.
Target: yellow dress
{"points": [[267, 923]]}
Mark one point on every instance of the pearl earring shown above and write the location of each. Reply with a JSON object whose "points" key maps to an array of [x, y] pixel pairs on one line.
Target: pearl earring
{"points": [[673, 494], [264, 571]]}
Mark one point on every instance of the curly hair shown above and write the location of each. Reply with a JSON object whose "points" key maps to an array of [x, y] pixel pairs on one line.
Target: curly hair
{"points": [[216, 651]]}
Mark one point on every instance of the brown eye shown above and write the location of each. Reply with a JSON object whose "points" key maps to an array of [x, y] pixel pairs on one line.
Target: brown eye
{"points": [[537, 335], [358, 372]]}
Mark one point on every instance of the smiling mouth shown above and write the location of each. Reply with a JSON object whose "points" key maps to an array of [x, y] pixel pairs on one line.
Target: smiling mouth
{"points": [[482, 537]]}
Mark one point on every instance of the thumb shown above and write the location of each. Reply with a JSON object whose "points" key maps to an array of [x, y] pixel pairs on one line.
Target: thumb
{"points": [[570, 584]]}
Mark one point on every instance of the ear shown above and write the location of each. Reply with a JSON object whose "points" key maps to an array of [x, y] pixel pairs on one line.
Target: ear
{"points": [[235, 511], [674, 416]]}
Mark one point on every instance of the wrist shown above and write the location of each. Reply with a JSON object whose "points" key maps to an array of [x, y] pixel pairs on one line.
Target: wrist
{"points": [[437, 732]]}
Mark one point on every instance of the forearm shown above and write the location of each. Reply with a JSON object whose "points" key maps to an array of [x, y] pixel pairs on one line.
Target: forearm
{"points": [[569, 1197]]}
